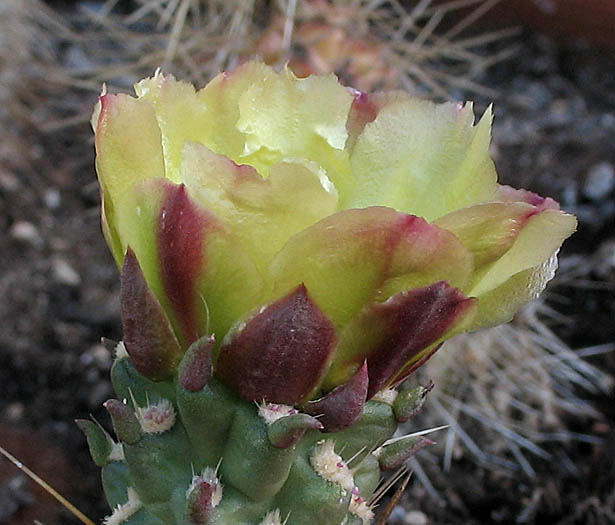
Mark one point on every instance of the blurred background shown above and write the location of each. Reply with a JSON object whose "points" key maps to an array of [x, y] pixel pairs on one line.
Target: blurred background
{"points": [[530, 406]]}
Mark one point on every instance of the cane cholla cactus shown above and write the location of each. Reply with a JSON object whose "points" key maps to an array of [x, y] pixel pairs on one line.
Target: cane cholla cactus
{"points": [[292, 250]]}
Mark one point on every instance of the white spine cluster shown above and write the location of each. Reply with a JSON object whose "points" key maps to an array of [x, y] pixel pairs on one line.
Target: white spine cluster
{"points": [[359, 507], [272, 518], [210, 477], [156, 418], [120, 351], [117, 452], [331, 466], [388, 396], [121, 513], [271, 412]]}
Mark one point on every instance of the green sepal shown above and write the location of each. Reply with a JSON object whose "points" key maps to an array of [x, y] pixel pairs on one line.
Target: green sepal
{"points": [[116, 480], [249, 451], [128, 383], [367, 475], [409, 403], [375, 426], [238, 509], [309, 498], [143, 517], [158, 464], [99, 442], [207, 416], [394, 454]]}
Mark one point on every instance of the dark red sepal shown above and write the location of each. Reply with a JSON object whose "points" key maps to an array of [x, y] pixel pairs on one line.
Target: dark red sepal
{"points": [[412, 321], [195, 367], [148, 336], [343, 406], [281, 354]]}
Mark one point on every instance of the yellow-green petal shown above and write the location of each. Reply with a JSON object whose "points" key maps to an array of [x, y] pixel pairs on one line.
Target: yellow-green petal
{"points": [[263, 213], [128, 150], [540, 238], [488, 230], [500, 305], [180, 116], [263, 117], [423, 158], [193, 263], [357, 256]]}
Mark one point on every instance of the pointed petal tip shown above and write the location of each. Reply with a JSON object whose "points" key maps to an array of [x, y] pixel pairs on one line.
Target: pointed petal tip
{"points": [[182, 227]]}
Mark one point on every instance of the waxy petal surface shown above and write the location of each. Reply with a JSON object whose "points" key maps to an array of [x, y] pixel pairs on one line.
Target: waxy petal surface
{"points": [[424, 159], [128, 150], [192, 261], [281, 354], [263, 117], [182, 228], [394, 334], [263, 213], [539, 239], [514, 243], [502, 303], [356, 256], [365, 108], [488, 230], [179, 114]]}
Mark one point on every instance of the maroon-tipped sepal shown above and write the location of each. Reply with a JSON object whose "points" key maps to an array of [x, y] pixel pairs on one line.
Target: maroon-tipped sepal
{"points": [[124, 420], [410, 323], [343, 406], [195, 367], [288, 430], [148, 335], [281, 354]]}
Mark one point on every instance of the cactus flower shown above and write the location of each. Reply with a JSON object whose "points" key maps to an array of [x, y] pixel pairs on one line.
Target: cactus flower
{"points": [[311, 228], [297, 243]]}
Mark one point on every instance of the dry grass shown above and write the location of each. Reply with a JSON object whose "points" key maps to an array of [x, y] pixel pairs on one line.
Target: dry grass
{"points": [[369, 43], [507, 394]]}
